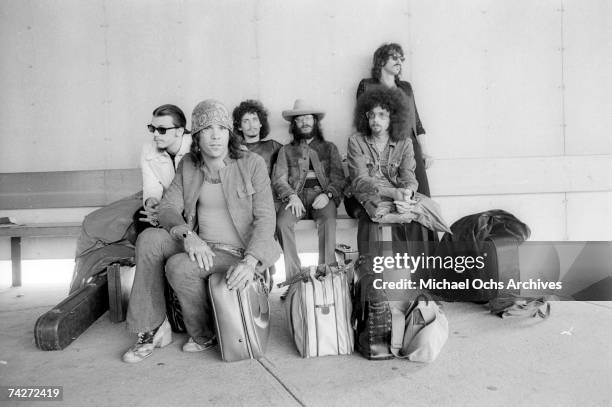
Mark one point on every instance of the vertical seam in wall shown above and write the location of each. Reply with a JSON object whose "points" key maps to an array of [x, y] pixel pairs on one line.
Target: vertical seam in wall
{"points": [[106, 101], [257, 53], [408, 14], [563, 117]]}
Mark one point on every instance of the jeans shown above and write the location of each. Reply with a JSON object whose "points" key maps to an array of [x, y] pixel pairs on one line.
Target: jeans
{"points": [[326, 227], [147, 306], [188, 281]]}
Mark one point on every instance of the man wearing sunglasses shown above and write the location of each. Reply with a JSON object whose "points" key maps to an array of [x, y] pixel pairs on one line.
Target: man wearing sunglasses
{"points": [[160, 158]]}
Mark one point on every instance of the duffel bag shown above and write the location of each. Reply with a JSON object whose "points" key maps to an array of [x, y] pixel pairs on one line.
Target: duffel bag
{"points": [[420, 332]]}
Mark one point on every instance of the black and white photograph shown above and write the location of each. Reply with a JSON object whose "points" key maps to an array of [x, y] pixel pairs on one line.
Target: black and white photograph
{"points": [[306, 202]]}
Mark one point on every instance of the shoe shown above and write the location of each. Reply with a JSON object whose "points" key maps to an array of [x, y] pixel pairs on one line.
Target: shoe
{"points": [[147, 341], [193, 346]]}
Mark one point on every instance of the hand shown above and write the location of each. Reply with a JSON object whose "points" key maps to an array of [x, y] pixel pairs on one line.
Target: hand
{"points": [[150, 216], [241, 273], [404, 207], [199, 251], [296, 206], [320, 201], [428, 160], [150, 211], [151, 203], [402, 194]]}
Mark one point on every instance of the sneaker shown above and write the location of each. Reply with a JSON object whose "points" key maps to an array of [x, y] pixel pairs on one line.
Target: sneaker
{"points": [[193, 346], [147, 341]]}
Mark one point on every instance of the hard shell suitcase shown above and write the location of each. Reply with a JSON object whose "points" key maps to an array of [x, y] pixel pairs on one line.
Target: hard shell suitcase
{"points": [[242, 318], [120, 281], [319, 313], [60, 326]]}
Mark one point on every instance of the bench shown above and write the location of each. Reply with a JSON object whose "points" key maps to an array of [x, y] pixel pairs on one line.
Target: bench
{"points": [[23, 195]]}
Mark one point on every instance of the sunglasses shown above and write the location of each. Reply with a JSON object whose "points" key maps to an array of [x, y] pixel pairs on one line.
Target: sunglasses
{"points": [[160, 130], [396, 57]]}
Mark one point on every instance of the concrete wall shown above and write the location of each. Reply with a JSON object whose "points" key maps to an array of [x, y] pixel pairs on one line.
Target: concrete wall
{"points": [[516, 96]]}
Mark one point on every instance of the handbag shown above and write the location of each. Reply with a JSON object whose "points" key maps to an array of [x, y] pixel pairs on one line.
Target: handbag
{"points": [[418, 334]]}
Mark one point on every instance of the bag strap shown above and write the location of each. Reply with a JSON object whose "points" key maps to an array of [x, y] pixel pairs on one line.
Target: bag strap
{"points": [[398, 327]]}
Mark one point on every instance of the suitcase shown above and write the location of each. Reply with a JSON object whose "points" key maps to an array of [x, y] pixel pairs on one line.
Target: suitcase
{"points": [[319, 313], [242, 318], [120, 280], [60, 326]]}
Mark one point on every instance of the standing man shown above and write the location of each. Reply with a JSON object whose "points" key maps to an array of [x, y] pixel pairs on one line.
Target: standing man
{"points": [[309, 180], [251, 122], [160, 157]]}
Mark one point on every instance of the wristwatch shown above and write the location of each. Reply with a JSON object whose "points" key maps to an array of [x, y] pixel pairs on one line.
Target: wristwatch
{"points": [[185, 234], [330, 195]]}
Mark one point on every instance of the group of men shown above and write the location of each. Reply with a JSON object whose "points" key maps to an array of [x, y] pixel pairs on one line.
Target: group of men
{"points": [[306, 175], [226, 209]]}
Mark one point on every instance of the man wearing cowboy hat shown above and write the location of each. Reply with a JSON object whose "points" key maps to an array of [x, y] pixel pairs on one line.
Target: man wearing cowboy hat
{"points": [[309, 180]]}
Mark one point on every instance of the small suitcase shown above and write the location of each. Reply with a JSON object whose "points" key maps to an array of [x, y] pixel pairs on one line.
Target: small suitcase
{"points": [[242, 318], [60, 326], [319, 312], [120, 280]]}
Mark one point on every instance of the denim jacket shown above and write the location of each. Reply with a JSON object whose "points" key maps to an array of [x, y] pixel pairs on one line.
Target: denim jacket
{"points": [[292, 166], [364, 162], [246, 187]]}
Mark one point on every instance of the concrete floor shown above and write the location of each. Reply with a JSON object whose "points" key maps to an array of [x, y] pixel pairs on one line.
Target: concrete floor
{"points": [[487, 361]]}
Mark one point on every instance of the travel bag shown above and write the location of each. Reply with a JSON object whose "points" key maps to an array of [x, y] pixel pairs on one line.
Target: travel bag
{"points": [[419, 332], [242, 317], [319, 311], [120, 280], [59, 327]]}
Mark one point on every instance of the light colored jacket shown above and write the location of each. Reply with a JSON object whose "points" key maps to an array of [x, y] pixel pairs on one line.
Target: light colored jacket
{"points": [[246, 187], [158, 169]]}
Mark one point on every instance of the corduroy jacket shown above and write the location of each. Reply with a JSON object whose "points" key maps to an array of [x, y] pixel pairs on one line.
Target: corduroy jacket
{"points": [[246, 187]]}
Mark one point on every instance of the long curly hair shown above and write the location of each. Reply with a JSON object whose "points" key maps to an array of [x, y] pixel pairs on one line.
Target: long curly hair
{"points": [[235, 149], [381, 56], [394, 101], [255, 107]]}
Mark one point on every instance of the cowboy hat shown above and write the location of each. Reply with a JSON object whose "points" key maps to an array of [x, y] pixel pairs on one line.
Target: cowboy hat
{"points": [[300, 108]]}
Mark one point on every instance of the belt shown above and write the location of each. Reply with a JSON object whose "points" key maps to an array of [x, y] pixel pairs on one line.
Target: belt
{"points": [[228, 248]]}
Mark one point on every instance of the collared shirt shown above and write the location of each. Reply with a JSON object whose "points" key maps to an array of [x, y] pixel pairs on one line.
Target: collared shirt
{"points": [[365, 163], [158, 168]]}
